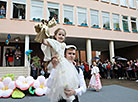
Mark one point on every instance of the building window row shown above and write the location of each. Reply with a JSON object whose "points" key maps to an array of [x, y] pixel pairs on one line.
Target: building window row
{"points": [[130, 3], [37, 9]]}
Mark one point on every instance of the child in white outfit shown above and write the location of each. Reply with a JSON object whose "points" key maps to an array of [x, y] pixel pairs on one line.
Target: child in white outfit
{"points": [[64, 76]]}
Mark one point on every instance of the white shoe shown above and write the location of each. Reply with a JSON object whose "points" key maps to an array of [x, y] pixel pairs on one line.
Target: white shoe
{"points": [[119, 77], [137, 81], [122, 77]]}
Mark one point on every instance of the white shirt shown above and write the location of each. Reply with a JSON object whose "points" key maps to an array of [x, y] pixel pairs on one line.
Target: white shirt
{"points": [[82, 87]]}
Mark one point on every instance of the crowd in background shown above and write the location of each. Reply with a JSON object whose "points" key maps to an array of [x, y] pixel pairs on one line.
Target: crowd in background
{"points": [[117, 70], [108, 70]]}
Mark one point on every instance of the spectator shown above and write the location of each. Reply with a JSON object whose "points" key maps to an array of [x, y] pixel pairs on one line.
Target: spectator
{"points": [[42, 71], [105, 69], [108, 66], [115, 70], [34, 70], [2, 11], [10, 58], [101, 69], [129, 70], [82, 67], [17, 60], [136, 68], [7, 56], [120, 70], [86, 70]]}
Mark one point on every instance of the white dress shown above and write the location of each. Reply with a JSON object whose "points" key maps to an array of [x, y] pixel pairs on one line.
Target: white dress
{"points": [[95, 82], [64, 75]]}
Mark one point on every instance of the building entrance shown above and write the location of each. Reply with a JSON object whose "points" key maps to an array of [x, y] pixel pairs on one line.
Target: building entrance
{"points": [[8, 55]]}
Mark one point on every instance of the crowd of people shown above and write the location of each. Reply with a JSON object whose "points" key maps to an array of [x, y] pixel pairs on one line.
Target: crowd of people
{"points": [[117, 70]]}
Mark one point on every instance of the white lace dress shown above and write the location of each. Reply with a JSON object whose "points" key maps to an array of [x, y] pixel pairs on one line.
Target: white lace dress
{"points": [[95, 81], [64, 75]]}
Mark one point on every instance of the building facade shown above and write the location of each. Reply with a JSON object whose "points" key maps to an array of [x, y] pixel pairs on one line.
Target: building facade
{"points": [[92, 25]]}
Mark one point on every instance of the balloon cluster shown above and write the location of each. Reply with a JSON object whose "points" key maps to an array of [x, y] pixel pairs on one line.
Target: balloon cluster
{"points": [[7, 41], [28, 52]]}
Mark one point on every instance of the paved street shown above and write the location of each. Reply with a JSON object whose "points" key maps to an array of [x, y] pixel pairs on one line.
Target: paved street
{"points": [[109, 93]]}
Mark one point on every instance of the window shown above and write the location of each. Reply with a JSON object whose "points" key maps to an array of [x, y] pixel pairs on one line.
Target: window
{"points": [[53, 10], [105, 0], [3, 4], [133, 24], [132, 3], [125, 23], [106, 20], [137, 3], [68, 14], [114, 1], [116, 24], [123, 2], [94, 18], [82, 18], [19, 9], [36, 10]]}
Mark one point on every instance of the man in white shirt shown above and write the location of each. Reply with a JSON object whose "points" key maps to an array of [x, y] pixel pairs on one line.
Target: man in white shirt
{"points": [[70, 56], [136, 67]]}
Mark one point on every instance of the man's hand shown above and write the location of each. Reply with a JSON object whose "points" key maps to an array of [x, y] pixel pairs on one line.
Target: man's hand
{"points": [[69, 92], [55, 61]]}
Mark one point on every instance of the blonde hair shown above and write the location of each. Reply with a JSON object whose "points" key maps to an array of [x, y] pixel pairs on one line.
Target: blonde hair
{"points": [[56, 31]]}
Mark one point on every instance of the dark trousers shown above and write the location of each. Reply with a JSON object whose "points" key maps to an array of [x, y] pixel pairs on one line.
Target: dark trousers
{"points": [[75, 100], [7, 62], [34, 74], [120, 70]]}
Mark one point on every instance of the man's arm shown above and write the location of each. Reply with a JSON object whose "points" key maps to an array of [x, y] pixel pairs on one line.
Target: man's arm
{"points": [[81, 89]]}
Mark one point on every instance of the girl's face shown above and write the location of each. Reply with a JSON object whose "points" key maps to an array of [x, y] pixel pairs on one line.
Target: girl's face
{"points": [[94, 63], [60, 36]]}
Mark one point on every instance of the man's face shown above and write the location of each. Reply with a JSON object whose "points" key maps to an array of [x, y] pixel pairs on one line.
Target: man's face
{"points": [[70, 54]]}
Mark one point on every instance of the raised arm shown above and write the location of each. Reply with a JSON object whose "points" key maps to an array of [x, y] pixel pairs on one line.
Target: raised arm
{"points": [[45, 42]]}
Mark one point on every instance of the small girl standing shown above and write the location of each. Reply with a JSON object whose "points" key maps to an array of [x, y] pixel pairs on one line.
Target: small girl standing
{"points": [[95, 81], [64, 76]]}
